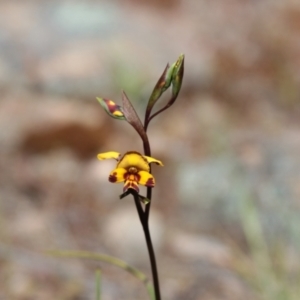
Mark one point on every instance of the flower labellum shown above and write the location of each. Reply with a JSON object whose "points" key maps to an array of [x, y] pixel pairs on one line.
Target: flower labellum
{"points": [[132, 169]]}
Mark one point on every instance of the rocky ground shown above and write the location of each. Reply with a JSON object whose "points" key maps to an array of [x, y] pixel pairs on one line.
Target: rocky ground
{"points": [[225, 211]]}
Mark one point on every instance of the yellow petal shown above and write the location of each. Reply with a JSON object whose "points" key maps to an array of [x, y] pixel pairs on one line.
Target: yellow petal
{"points": [[145, 178], [108, 155], [153, 160], [117, 175], [133, 159]]}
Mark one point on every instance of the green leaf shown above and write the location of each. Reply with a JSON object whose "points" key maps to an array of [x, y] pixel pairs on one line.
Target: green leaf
{"points": [[112, 109], [161, 86]]}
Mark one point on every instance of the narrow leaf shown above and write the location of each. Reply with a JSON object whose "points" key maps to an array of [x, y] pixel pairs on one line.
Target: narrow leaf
{"points": [[161, 86], [112, 109], [132, 118]]}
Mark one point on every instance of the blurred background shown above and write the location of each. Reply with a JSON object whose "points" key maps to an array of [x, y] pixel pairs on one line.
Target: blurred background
{"points": [[225, 212]]}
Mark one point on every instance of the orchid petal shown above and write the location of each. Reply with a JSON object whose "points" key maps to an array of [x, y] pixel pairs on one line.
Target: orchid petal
{"points": [[146, 179], [133, 159], [117, 175], [153, 160], [108, 155]]}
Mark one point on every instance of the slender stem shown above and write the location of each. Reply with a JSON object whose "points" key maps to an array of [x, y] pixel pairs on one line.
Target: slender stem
{"points": [[145, 222], [98, 284], [146, 123], [138, 206], [145, 225], [152, 261], [148, 206], [147, 151], [158, 112]]}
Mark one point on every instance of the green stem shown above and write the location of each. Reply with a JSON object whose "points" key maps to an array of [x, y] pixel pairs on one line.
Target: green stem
{"points": [[98, 285]]}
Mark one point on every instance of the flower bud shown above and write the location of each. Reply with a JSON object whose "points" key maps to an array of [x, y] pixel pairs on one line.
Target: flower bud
{"points": [[112, 109]]}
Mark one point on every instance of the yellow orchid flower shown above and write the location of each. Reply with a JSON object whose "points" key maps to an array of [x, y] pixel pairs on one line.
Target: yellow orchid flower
{"points": [[132, 169]]}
